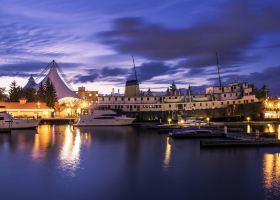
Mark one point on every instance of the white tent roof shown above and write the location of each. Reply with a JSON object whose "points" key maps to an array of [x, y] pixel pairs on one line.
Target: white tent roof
{"points": [[62, 90], [31, 83]]}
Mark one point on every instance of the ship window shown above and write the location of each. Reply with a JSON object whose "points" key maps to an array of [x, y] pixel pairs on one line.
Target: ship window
{"points": [[222, 103], [169, 105], [194, 104], [252, 100], [141, 98], [135, 99], [128, 99], [225, 95], [122, 98], [169, 97], [109, 99], [116, 98], [1, 118], [148, 98]]}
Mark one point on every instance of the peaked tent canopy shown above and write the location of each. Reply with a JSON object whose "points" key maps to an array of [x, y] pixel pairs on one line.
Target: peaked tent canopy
{"points": [[60, 85], [31, 83]]}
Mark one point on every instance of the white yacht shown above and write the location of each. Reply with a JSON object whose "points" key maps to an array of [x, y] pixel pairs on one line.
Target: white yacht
{"points": [[7, 122], [104, 118]]}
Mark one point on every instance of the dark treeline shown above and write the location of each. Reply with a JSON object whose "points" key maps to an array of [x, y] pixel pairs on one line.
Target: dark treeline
{"points": [[46, 93]]}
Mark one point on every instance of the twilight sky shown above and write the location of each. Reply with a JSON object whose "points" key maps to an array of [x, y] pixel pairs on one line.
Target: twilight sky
{"points": [[93, 40]]}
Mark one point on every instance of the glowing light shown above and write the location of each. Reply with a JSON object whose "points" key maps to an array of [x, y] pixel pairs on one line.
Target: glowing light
{"points": [[248, 129], [271, 171], [70, 152], [169, 120], [167, 156], [248, 119]]}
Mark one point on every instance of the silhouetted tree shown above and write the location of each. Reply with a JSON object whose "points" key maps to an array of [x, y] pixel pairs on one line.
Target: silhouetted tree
{"points": [[15, 92], [149, 92], [173, 89], [41, 93], [50, 93], [29, 94], [262, 93], [3, 96]]}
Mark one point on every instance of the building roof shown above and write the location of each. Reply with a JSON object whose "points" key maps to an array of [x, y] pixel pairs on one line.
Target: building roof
{"points": [[27, 105], [62, 90]]}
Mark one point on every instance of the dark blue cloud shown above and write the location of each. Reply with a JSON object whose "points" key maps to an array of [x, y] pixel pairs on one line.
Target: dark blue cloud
{"points": [[231, 35]]}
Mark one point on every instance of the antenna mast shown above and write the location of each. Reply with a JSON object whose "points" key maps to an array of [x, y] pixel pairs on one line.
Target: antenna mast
{"points": [[134, 68], [218, 67]]}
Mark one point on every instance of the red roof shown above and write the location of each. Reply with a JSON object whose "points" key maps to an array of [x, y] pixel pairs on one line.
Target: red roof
{"points": [[28, 105]]}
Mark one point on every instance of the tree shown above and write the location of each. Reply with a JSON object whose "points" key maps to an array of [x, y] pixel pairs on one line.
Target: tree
{"points": [[29, 94], [173, 89], [50, 94], [3, 96], [15, 92], [262, 93], [41, 93], [149, 92]]}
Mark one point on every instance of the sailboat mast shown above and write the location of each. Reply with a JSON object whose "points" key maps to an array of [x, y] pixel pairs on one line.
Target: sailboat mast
{"points": [[218, 67]]}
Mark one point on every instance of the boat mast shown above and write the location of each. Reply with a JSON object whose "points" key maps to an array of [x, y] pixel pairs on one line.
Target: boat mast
{"points": [[218, 67], [134, 68]]}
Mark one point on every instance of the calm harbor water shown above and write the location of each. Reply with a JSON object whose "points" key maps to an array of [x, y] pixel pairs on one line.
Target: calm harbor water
{"points": [[62, 162]]}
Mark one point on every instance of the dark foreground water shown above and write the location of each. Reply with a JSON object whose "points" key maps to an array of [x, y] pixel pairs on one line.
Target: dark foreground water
{"points": [[61, 162]]}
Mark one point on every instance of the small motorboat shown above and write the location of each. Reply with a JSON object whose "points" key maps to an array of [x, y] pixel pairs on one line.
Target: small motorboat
{"points": [[7, 122]]}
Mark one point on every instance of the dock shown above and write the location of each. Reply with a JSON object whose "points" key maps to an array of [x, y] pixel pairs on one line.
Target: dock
{"points": [[240, 143]]}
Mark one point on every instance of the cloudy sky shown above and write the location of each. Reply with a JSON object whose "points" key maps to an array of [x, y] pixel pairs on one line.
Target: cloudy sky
{"points": [[171, 40]]}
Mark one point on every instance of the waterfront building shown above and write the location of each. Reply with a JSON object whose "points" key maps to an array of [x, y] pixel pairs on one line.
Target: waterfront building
{"points": [[89, 96], [271, 108], [24, 109]]}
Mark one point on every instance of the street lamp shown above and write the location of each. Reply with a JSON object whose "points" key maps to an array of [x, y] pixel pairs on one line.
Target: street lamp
{"points": [[169, 120], [208, 120], [38, 106], [248, 119]]}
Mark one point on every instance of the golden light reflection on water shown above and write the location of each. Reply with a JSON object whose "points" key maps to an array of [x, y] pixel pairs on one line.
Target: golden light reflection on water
{"points": [[271, 173], [278, 132], [69, 140], [42, 140], [248, 128], [70, 151], [167, 156]]}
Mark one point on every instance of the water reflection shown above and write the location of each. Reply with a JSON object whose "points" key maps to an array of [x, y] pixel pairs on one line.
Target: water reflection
{"points": [[278, 132], [42, 140], [248, 128], [70, 151], [167, 153], [271, 173]]}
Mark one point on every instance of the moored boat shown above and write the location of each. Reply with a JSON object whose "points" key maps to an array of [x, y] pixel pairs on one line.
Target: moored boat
{"points": [[104, 118], [7, 122]]}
